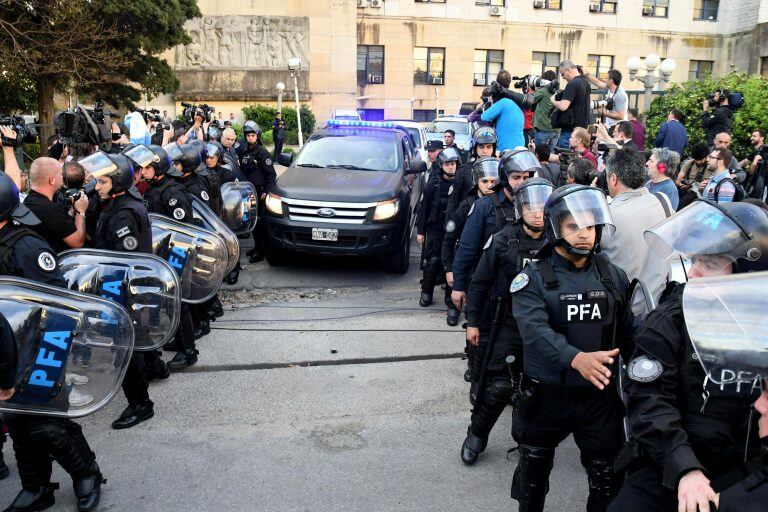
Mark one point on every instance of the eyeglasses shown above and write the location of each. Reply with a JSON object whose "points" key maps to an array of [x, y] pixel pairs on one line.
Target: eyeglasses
{"points": [[710, 157]]}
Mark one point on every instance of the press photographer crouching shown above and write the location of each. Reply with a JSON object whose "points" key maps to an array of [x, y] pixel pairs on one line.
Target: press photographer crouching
{"points": [[63, 227]]}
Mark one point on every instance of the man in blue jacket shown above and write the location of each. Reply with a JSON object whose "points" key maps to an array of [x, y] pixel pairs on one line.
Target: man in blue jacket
{"points": [[509, 123], [672, 133]]}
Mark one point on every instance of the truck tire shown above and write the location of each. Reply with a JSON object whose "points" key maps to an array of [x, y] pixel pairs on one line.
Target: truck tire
{"points": [[398, 261]]}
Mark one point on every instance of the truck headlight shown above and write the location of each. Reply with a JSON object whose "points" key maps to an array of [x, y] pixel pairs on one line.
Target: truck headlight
{"points": [[274, 204], [386, 209]]}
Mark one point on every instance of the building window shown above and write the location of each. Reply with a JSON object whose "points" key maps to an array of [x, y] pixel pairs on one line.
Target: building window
{"points": [[429, 66], [542, 61], [699, 69], [488, 63], [656, 8], [371, 114], [430, 1], [604, 6], [425, 116], [764, 67], [705, 10], [599, 65], [496, 3], [370, 64], [552, 5]]}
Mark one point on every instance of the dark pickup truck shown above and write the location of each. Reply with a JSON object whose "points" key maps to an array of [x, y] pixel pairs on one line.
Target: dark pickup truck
{"points": [[352, 190]]}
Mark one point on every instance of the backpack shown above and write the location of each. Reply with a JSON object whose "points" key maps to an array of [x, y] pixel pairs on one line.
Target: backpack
{"points": [[738, 195]]}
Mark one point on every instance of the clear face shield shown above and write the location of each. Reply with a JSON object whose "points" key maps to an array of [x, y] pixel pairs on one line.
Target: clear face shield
{"points": [[142, 155], [583, 208], [529, 203]]}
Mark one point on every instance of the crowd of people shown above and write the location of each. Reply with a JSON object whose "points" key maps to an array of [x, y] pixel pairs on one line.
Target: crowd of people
{"points": [[569, 258]]}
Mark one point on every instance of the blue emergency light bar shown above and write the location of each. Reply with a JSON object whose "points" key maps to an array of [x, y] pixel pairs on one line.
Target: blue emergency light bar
{"points": [[362, 124]]}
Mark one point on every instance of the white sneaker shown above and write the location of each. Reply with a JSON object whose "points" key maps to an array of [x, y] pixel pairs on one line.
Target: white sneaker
{"points": [[76, 379], [79, 399]]}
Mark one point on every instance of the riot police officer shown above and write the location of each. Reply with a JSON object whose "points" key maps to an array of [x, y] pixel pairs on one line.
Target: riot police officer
{"points": [[123, 226], [167, 197], [694, 428], [36, 438], [430, 224], [214, 162], [188, 169], [256, 164], [484, 142], [570, 308], [485, 177], [434, 147], [508, 252]]}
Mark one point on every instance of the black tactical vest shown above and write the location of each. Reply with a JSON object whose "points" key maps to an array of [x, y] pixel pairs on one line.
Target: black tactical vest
{"points": [[106, 240]]}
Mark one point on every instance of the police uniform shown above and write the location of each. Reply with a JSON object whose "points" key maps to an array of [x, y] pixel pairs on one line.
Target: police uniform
{"points": [[431, 223], [168, 197], [256, 164], [463, 188], [562, 310], [198, 186], [509, 251], [453, 229]]}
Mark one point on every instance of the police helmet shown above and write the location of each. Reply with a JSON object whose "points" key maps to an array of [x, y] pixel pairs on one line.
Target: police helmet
{"points": [[251, 127], [517, 161], [530, 198], [200, 146], [189, 158], [141, 156], [728, 234], [214, 149], [116, 167], [486, 167], [11, 207], [484, 135], [163, 162], [450, 154], [585, 207]]}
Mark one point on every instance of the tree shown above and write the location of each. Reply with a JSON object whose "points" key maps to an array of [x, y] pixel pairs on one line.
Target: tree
{"points": [[104, 48], [689, 96]]}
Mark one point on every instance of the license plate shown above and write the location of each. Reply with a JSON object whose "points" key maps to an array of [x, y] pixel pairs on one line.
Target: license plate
{"points": [[326, 235]]}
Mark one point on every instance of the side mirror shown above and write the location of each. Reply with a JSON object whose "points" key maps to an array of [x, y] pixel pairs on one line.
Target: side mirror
{"points": [[285, 159], [416, 167]]}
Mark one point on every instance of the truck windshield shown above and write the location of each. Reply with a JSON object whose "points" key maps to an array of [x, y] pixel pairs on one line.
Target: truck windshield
{"points": [[461, 128], [354, 152]]}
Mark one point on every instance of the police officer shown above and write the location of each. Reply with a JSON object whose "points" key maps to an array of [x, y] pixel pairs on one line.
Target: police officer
{"points": [[694, 428], [430, 224], [485, 177], [38, 439], [434, 147], [484, 142], [215, 163], [509, 251], [8, 362], [186, 165], [570, 311], [123, 226], [256, 164], [210, 176], [167, 197]]}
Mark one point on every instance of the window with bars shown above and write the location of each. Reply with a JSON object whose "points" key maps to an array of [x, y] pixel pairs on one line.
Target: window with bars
{"points": [[699, 69], [764, 67], [428, 65], [488, 63], [599, 65], [370, 64], [542, 61], [603, 6], [656, 8], [705, 10], [425, 116]]}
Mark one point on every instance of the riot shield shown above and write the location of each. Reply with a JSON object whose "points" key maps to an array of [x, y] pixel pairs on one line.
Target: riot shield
{"points": [[205, 217], [240, 206], [641, 300], [145, 285], [73, 348], [198, 256], [726, 321]]}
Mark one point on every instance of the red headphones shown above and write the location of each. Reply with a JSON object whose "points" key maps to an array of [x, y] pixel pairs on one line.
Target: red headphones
{"points": [[662, 167]]}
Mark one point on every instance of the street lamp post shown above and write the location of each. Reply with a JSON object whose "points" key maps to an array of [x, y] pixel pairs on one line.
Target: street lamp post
{"points": [[649, 79], [280, 86], [294, 66]]}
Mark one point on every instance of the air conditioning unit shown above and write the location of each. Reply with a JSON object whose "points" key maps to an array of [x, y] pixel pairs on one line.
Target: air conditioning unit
{"points": [[594, 8], [362, 4], [497, 11], [375, 79], [648, 11], [437, 81], [480, 81], [377, 4], [539, 4]]}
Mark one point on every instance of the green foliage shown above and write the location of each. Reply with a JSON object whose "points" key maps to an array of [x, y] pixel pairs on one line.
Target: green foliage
{"points": [[688, 97], [266, 138], [17, 92], [265, 114]]}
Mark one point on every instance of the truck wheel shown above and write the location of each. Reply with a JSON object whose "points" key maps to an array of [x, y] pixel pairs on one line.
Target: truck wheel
{"points": [[277, 257], [398, 261]]}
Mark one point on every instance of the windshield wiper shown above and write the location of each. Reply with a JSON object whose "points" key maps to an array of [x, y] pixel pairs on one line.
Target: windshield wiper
{"points": [[309, 165], [350, 167]]}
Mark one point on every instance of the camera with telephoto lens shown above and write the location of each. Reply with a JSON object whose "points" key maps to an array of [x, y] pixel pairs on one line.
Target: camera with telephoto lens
{"points": [[524, 101], [535, 82], [191, 110], [608, 103]]}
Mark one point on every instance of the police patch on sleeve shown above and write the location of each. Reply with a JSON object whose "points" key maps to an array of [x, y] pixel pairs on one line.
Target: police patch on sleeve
{"points": [[450, 190], [178, 213], [204, 195], [450, 227], [267, 162], [173, 202], [130, 243], [519, 282], [46, 261], [123, 231], [644, 369], [237, 145]]}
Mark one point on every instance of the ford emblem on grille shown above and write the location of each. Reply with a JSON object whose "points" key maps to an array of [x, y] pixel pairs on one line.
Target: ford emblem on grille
{"points": [[326, 212]]}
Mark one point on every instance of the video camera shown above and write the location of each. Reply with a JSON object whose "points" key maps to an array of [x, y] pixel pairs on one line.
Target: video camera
{"points": [[524, 101], [191, 110], [73, 194], [535, 82], [85, 125], [735, 99], [24, 133], [153, 114]]}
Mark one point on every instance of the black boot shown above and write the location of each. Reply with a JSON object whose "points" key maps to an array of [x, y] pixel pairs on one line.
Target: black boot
{"points": [[30, 501], [233, 276], [202, 329], [530, 483], [251, 252], [467, 376], [426, 297], [88, 490], [155, 368], [183, 359], [216, 308], [453, 316], [134, 415], [257, 257], [472, 447]]}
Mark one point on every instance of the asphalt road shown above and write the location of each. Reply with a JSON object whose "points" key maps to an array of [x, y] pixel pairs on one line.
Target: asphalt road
{"points": [[324, 387]]}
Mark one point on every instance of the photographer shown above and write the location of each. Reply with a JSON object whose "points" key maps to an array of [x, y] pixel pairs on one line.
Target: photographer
{"points": [[572, 103], [509, 120], [474, 117], [720, 119], [58, 227], [616, 109], [579, 142], [542, 114], [12, 168]]}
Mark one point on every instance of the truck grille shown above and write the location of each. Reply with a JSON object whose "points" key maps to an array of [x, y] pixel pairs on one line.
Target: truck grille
{"points": [[327, 212]]}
